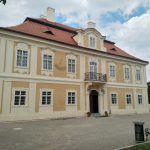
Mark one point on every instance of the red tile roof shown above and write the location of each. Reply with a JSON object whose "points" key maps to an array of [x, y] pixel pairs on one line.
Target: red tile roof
{"points": [[63, 34]]}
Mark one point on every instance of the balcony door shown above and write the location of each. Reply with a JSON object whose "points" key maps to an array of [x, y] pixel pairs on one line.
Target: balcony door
{"points": [[93, 70]]}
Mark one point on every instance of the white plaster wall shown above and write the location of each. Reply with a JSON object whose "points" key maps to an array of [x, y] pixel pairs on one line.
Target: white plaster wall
{"points": [[2, 54], [9, 56], [7, 96]]}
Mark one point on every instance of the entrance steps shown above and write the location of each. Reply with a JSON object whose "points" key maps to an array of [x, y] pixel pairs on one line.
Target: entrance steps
{"points": [[96, 115]]}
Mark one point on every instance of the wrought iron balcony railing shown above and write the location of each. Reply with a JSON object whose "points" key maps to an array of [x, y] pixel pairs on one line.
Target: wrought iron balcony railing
{"points": [[93, 76]]}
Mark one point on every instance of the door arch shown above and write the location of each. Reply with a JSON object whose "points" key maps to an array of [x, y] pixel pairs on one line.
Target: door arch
{"points": [[94, 104]]}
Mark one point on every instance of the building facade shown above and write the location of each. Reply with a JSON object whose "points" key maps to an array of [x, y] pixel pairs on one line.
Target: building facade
{"points": [[49, 70]]}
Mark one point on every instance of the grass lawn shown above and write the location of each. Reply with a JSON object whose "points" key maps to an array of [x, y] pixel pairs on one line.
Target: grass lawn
{"points": [[140, 147]]}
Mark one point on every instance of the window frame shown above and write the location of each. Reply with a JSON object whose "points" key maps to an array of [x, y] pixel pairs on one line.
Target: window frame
{"points": [[126, 98], [71, 91], [71, 57], [114, 93], [22, 47], [125, 77], [52, 94], [92, 41], [141, 99], [47, 52], [14, 95], [138, 76], [115, 70]]}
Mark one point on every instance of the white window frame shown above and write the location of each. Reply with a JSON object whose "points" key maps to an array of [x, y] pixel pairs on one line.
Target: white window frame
{"points": [[138, 99], [22, 47], [50, 53], [93, 59], [115, 70], [139, 69], [52, 95], [72, 91], [126, 67], [93, 37], [13, 97], [116, 98], [126, 98], [73, 57]]}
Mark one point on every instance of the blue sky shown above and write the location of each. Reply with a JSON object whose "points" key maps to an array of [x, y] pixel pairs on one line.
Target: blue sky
{"points": [[125, 22]]}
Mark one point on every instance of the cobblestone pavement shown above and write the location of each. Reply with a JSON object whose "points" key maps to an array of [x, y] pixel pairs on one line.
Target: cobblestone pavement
{"points": [[99, 133]]}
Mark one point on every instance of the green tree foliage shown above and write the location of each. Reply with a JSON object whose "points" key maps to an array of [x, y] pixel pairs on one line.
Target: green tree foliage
{"points": [[4, 1], [148, 84]]}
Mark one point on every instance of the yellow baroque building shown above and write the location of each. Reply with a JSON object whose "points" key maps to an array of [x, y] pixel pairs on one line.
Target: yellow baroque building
{"points": [[50, 70]]}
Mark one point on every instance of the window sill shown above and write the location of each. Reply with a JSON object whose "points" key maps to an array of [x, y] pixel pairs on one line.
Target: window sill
{"points": [[47, 72]]}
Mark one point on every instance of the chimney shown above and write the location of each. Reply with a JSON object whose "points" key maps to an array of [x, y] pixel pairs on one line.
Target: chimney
{"points": [[50, 14], [91, 24]]}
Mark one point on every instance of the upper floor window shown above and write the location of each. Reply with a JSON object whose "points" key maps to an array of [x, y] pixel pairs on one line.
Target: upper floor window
{"points": [[20, 97], [126, 73], [71, 66], [46, 97], [112, 71], [114, 98], [71, 97], [140, 99], [47, 62], [138, 74], [128, 98], [22, 58], [92, 42]]}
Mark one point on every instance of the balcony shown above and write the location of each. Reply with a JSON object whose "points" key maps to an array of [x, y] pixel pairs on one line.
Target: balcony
{"points": [[93, 76]]}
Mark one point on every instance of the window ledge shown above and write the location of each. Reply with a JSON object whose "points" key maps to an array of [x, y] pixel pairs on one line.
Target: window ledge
{"points": [[47, 72], [21, 69]]}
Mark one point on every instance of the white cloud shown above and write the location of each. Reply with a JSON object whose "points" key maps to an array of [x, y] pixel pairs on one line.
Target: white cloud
{"points": [[133, 36]]}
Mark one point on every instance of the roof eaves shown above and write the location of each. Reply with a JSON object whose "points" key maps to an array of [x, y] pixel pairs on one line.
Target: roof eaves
{"points": [[136, 59]]}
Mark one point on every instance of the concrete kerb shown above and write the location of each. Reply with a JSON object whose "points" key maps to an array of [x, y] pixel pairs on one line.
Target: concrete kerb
{"points": [[130, 146]]}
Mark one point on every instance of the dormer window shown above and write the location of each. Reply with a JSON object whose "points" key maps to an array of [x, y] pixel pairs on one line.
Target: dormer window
{"points": [[92, 42]]}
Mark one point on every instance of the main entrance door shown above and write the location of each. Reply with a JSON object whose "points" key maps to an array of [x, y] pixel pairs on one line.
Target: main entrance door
{"points": [[94, 102]]}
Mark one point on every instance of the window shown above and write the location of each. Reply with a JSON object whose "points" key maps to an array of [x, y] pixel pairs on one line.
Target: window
{"points": [[138, 74], [71, 66], [128, 98], [114, 98], [46, 97], [92, 42], [139, 99], [126, 73], [47, 62], [20, 98], [71, 97], [112, 70], [22, 58]]}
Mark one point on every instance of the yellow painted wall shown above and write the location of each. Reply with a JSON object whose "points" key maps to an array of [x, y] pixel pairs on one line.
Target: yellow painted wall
{"points": [[60, 64], [59, 99], [121, 96]]}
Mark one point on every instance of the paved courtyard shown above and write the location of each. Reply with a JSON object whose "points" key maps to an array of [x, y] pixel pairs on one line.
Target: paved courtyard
{"points": [[71, 134]]}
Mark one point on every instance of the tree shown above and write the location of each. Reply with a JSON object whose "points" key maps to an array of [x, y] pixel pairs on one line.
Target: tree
{"points": [[4, 1], [148, 92]]}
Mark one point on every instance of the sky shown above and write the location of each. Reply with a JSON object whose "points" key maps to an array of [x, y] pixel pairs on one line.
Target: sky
{"points": [[126, 22]]}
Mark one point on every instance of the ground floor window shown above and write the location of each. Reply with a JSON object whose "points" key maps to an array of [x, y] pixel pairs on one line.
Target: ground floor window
{"points": [[114, 98], [140, 99], [128, 98], [71, 97], [46, 97], [20, 97]]}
